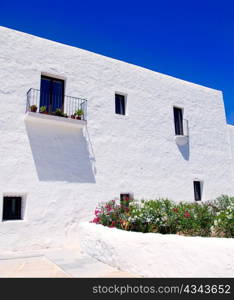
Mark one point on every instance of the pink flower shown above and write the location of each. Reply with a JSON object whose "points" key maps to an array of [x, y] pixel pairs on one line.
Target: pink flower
{"points": [[97, 212], [96, 220], [187, 214]]}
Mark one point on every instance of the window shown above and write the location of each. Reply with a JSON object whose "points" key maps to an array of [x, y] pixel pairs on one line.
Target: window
{"points": [[124, 199], [178, 120], [119, 104], [51, 93], [12, 208], [197, 190]]}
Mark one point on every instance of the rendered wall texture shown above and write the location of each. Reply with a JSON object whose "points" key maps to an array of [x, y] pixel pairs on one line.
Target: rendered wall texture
{"points": [[64, 172], [231, 136], [158, 255]]}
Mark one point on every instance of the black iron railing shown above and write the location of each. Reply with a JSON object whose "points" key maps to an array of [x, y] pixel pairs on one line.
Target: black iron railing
{"points": [[55, 104]]}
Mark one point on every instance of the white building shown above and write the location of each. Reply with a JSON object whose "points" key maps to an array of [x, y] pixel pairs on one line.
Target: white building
{"points": [[143, 133]]}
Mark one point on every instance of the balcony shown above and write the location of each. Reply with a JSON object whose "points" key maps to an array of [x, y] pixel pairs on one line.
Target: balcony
{"points": [[182, 133], [52, 107]]}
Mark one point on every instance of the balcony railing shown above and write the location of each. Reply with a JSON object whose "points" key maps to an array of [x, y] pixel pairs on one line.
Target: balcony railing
{"points": [[56, 105]]}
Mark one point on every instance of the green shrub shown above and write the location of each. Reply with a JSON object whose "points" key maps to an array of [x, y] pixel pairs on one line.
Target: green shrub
{"points": [[214, 218], [223, 202], [224, 220]]}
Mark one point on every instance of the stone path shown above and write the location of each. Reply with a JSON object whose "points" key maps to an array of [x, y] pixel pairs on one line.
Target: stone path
{"points": [[56, 263], [30, 267]]}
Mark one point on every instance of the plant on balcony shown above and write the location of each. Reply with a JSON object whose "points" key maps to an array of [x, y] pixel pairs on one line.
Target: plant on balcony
{"points": [[43, 110], [59, 112], [79, 113], [33, 108]]}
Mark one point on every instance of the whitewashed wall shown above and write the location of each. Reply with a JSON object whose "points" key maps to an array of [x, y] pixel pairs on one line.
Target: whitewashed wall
{"points": [[231, 136], [158, 255], [65, 172]]}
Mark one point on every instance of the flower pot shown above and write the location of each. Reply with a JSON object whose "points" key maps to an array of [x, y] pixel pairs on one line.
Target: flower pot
{"points": [[33, 109], [73, 117], [78, 117]]}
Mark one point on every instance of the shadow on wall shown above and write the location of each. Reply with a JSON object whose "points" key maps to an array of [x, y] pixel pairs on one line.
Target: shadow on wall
{"points": [[184, 150], [60, 153]]}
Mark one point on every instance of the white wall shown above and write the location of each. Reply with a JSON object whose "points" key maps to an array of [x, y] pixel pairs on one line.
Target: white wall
{"points": [[65, 172], [158, 255], [231, 139]]}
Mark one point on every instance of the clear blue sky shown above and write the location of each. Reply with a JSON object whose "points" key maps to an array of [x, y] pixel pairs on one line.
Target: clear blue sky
{"points": [[191, 40]]}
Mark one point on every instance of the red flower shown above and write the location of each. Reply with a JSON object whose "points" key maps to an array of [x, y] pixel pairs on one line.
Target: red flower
{"points": [[175, 210], [187, 214], [96, 220], [97, 212]]}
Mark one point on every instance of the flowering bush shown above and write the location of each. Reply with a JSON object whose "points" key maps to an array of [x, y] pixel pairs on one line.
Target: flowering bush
{"points": [[214, 218]]}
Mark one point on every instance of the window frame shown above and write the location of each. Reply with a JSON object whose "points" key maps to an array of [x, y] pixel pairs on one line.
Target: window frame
{"points": [[178, 125], [199, 191], [7, 216], [124, 104], [52, 78]]}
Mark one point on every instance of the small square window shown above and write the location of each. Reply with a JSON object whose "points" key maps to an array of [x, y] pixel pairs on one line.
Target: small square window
{"points": [[197, 190], [120, 104], [12, 208]]}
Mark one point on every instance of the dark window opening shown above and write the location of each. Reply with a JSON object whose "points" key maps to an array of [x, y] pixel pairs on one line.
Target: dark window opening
{"points": [[12, 208], [125, 199], [178, 120], [197, 190], [119, 104], [52, 93]]}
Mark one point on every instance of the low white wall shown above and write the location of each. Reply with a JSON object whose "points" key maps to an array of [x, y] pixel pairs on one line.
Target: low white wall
{"points": [[157, 255]]}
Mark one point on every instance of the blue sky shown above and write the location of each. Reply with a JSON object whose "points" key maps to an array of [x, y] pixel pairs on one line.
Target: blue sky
{"points": [[191, 40]]}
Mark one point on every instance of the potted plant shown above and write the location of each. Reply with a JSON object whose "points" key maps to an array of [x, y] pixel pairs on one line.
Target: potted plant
{"points": [[43, 110], [79, 113], [59, 112], [33, 108], [73, 116], [65, 115]]}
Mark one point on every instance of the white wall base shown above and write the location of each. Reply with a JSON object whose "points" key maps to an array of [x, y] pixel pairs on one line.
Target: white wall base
{"points": [[157, 255]]}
